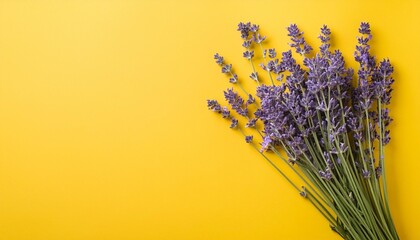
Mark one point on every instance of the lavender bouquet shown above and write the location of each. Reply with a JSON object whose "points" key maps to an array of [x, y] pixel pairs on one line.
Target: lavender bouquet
{"points": [[329, 129]]}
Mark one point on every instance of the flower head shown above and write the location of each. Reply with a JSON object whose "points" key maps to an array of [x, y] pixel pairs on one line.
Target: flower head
{"points": [[364, 28], [219, 59], [234, 122], [272, 53], [225, 112], [298, 41], [244, 28], [236, 102], [214, 106], [258, 38], [248, 54], [325, 39]]}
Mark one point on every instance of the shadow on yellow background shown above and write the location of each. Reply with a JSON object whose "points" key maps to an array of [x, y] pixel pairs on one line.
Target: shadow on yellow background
{"points": [[104, 132]]}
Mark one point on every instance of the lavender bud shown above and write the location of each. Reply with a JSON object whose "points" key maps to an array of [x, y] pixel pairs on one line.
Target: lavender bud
{"points": [[250, 100], [378, 172], [227, 68], [327, 175], [234, 123], [244, 28], [254, 76], [248, 54], [219, 59], [258, 38], [272, 53], [236, 102], [303, 192], [246, 44], [225, 112], [365, 173], [364, 28], [234, 78], [251, 123], [254, 28]]}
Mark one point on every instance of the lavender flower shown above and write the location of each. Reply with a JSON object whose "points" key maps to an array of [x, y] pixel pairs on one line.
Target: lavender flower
{"points": [[225, 112], [251, 123], [366, 173], [325, 39], [266, 143], [254, 28], [258, 38], [298, 42], [234, 122], [236, 102], [244, 28], [234, 78], [247, 44], [226, 68], [248, 54], [250, 100], [254, 76], [214, 106], [219, 59], [327, 175], [249, 139], [364, 28], [272, 53]]}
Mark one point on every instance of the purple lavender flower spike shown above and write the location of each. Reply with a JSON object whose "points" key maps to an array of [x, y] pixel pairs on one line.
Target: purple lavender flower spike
{"points": [[226, 68], [293, 31], [214, 106], [387, 137], [325, 34], [325, 39], [219, 59], [236, 102], [298, 42], [244, 28], [364, 28], [382, 81], [266, 143]]}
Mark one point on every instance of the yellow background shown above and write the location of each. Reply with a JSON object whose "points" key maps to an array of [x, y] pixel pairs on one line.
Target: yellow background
{"points": [[104, 132]]}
